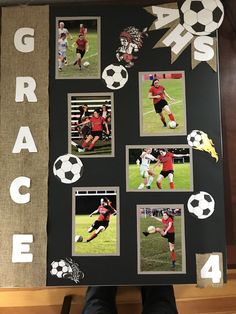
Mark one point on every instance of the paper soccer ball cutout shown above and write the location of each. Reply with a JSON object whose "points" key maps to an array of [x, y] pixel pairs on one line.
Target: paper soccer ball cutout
{"points": [[68, 168], [195, 138], [172, 124], [60, 269], [151, 229], [201, 205], [115, 76], [202, 17]]}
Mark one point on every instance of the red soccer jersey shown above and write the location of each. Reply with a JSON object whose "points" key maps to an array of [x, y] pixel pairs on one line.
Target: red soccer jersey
{"points": [[157, 91], [166, 224], [104, 213], [167, 163], [97, 123], [81, 44]]}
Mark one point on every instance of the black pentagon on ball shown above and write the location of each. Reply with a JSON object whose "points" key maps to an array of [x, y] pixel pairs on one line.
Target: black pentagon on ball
{"points": [[58, 164], [192, 139], [123, 73], [206, 212], [194, 203], [69, 175], [208, 198], [196, 6], [73, 160], [116, 84], [199, 133], [198, 27], [217, 14], [110, 72]]}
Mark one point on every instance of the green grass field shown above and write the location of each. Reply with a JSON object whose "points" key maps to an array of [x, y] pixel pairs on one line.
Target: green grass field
{"points": [[154, 250], [92, 56], [182, 177], [100, 148], [104, 244], [151, 123]]}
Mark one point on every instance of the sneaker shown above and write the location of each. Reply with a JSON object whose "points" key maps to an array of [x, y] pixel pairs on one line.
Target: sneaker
{"points": [[145, 233]]}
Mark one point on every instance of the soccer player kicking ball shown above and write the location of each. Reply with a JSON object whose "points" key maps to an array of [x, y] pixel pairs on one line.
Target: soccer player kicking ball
{"points": [[105, 210], [166, 159], [167, 232]]}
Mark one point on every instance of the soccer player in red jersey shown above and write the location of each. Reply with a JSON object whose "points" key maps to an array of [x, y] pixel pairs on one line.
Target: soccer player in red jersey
{"points": [[158, 93], [168, 232], [82, 30], [104, 211], [82, 47], [97, 123], [166, 159]]}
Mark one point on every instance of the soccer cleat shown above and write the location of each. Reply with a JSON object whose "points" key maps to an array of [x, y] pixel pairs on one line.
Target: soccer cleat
{"points": [[145, 233], [164, 125], [173, 265], [148, 187], [59, 69]]}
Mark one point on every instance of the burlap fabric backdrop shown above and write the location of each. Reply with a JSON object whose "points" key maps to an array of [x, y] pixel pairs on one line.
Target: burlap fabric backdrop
{"points": [[30, 218]]}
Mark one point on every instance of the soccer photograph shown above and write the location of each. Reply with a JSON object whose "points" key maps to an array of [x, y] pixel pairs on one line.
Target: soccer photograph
{"points": [[91, 125], [95, 221], [162, 103], [155, 168], [161, 240], [77, 48]]}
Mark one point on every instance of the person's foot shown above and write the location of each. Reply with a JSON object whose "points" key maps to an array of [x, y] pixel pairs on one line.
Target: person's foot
{"points": [[173, 265], [145, 233], [164, 125], [148, 187], [59, 69]]}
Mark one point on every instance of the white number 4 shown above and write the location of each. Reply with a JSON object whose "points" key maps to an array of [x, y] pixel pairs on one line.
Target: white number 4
{"points": [[211, 269]]}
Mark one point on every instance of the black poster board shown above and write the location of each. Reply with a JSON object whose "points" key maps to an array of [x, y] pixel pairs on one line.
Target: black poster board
{"points": [[122, 254]]}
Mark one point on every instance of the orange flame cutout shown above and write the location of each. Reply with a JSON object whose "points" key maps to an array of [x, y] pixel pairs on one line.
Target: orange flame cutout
{"points": [[208, 146]]}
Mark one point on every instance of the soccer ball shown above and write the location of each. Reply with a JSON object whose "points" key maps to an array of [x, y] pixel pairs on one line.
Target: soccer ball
{"points": [[86, 64], [78, 238], [202, 17], [195, 138], [151, 229], [201, 205], [172, 124], [68, 168], [115, 76], [60, 269]]}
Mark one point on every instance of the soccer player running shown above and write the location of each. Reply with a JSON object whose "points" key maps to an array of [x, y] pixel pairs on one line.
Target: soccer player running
{"points": [[97, 123], [104, 211], [166, 159], [146, 173], [158, 94], [167, 232], [62, 48], [82, 46]]}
